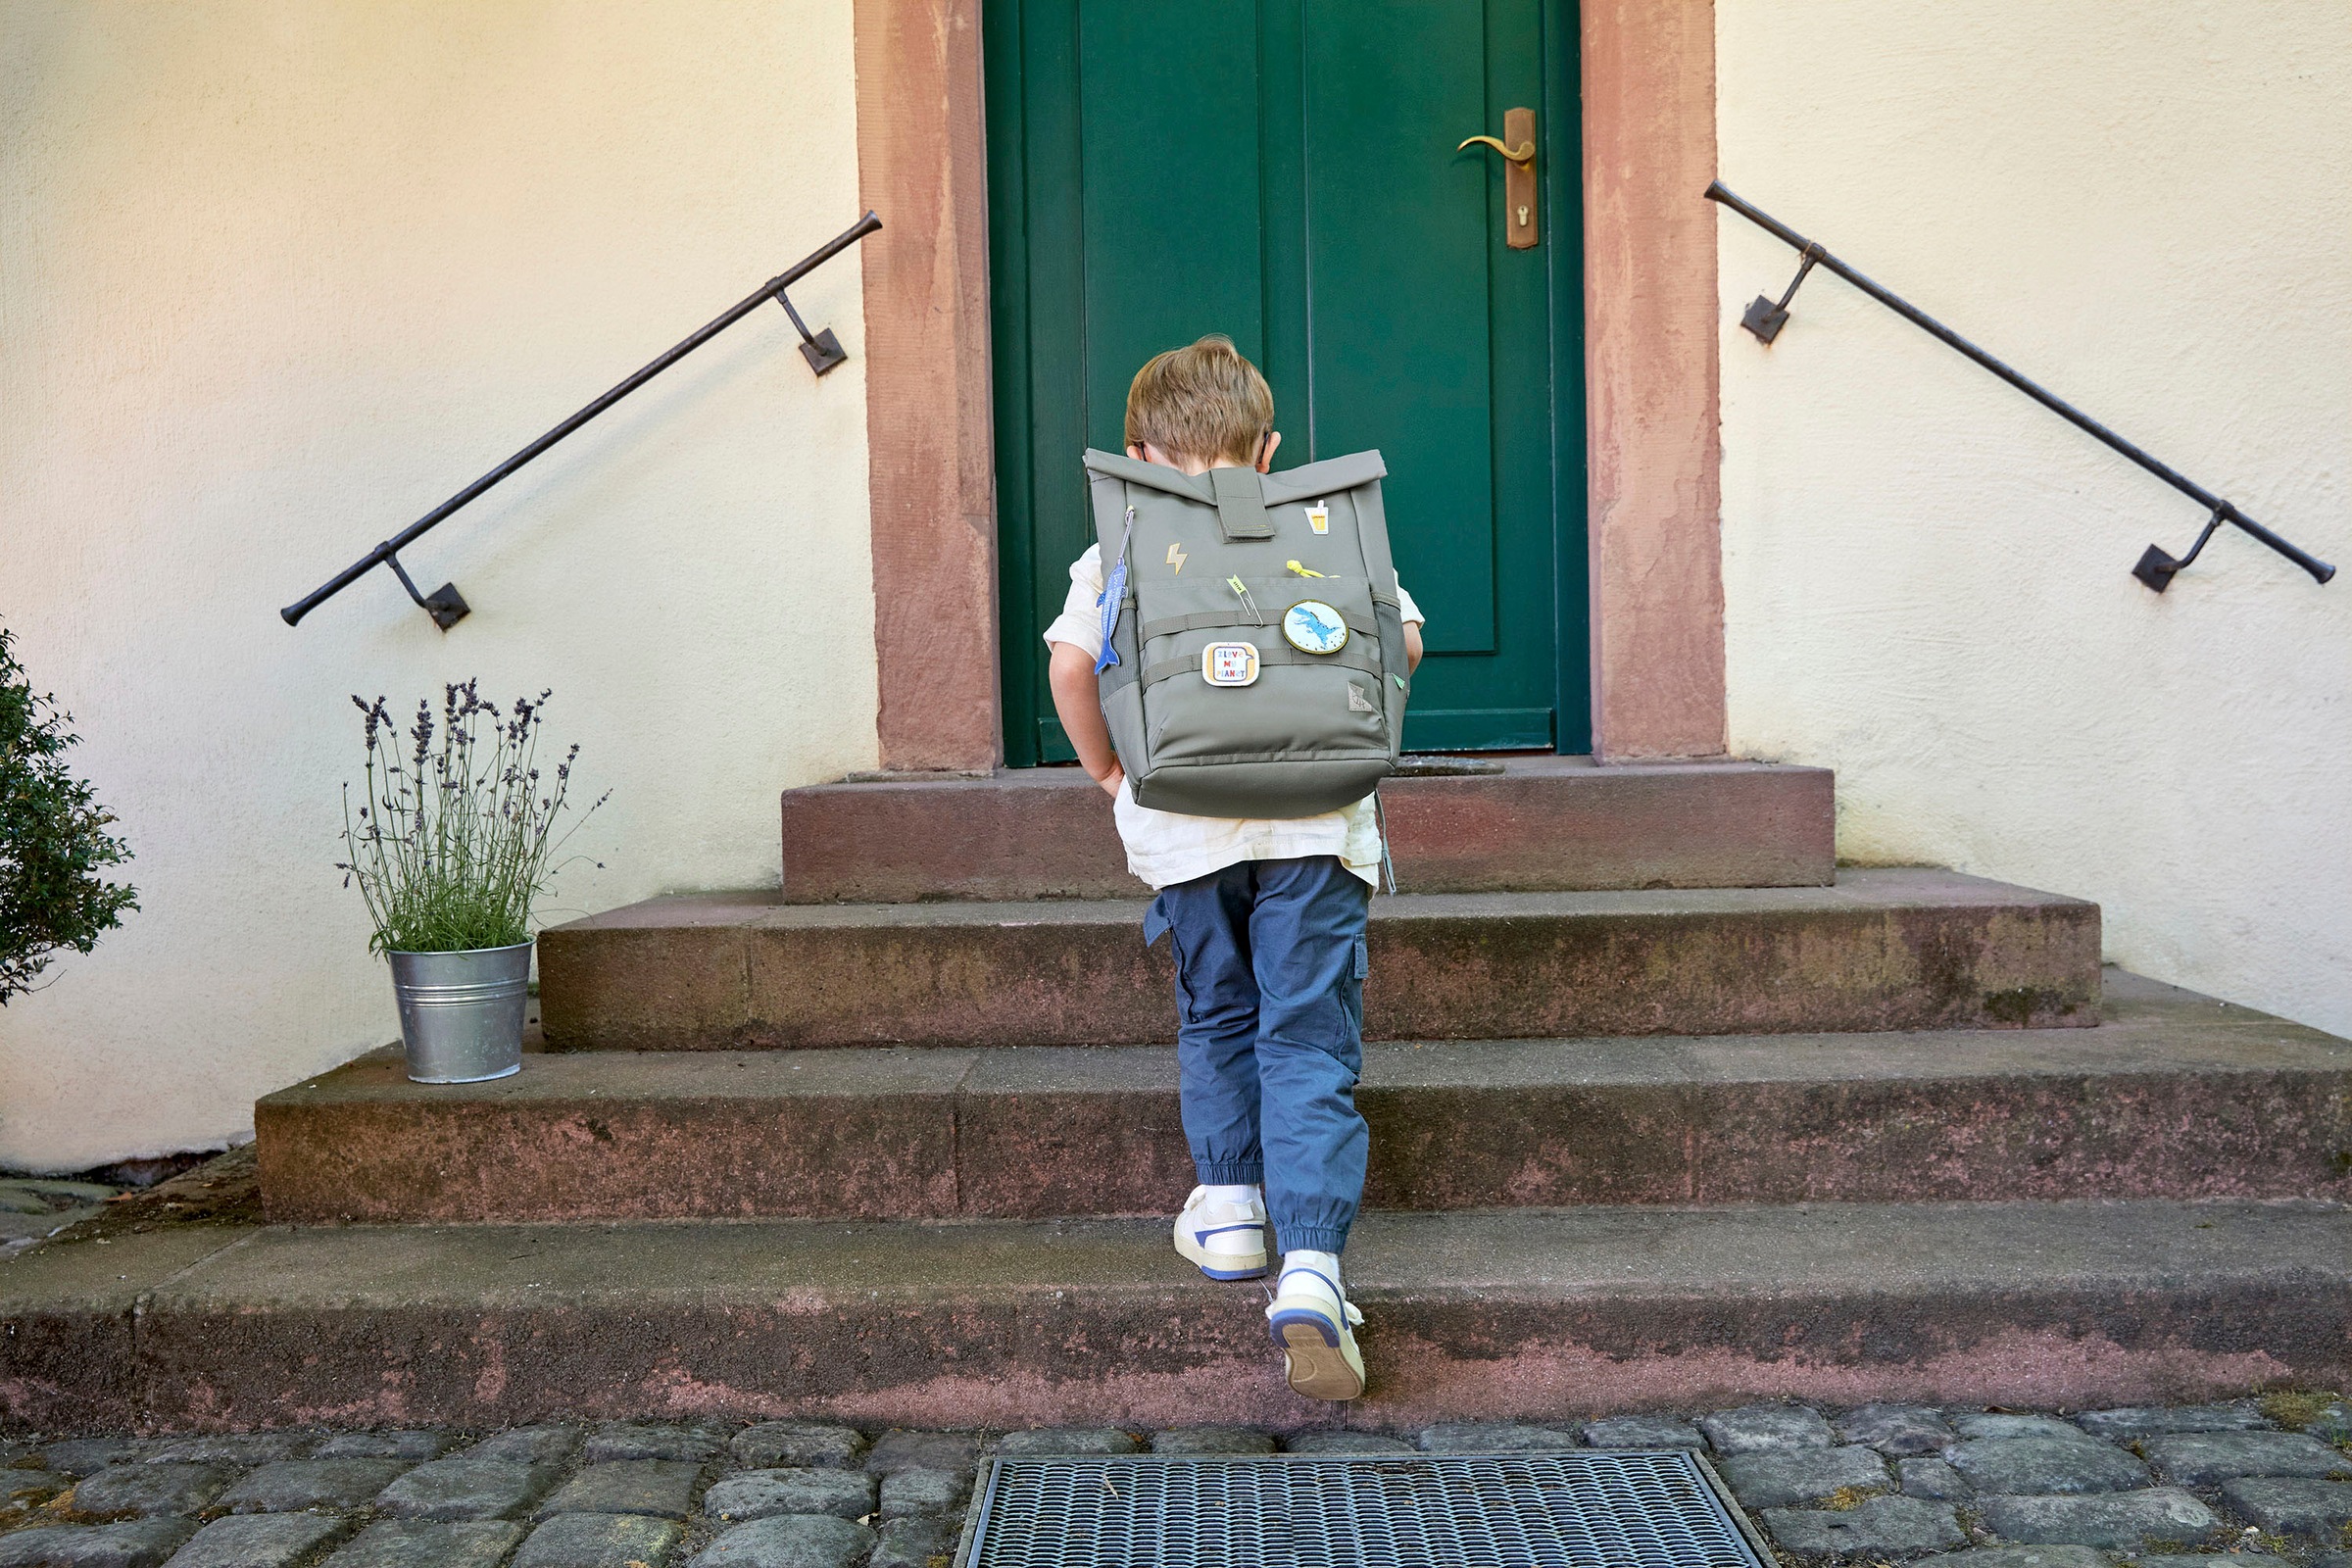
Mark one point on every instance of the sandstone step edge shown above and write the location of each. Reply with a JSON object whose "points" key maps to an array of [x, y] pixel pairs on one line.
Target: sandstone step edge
{"points": [[1536, 1314], [1883, 948], [1545, 822], [2174, 1096]]}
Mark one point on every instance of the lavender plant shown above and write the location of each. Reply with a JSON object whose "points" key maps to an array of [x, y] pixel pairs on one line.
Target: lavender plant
{"points": [[457, 836]]}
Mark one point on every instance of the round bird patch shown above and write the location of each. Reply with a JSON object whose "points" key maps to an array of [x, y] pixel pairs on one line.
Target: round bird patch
{"points": [[1314, 627]]}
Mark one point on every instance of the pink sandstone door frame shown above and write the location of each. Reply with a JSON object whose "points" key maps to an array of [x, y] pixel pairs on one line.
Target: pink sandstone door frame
{"points": [[1651, 367]]}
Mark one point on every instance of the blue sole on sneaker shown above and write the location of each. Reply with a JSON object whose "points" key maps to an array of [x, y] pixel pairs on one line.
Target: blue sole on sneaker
{"points": [[1314, 1320], [1251, 1264]]}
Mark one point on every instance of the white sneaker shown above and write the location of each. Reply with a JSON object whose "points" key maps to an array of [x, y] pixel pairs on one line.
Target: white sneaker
{"points": [[1228, 1241], [1314, 1324]]}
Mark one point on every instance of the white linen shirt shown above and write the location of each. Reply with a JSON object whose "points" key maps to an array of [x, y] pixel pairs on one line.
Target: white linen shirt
{"points": [[1164, 847]]}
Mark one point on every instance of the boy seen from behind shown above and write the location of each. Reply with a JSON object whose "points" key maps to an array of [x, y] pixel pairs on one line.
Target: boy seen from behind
{"points": [[1266, 916]]}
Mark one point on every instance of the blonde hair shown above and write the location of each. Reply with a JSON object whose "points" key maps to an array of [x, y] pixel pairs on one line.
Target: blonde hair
{"points": [[1204, 402]]}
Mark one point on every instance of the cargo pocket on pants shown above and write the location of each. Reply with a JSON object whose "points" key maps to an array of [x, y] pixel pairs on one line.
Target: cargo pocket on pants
{"points": [[1351, 993], [1184, 991]]}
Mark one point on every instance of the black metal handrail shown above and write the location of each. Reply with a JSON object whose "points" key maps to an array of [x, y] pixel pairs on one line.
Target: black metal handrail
{"points": [[822, 350], [1765, 317]]}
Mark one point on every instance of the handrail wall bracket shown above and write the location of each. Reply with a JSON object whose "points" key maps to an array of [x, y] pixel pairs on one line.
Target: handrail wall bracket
{"points": [[822, 350], [2156, 568], [1766, 319], [444, 604]]}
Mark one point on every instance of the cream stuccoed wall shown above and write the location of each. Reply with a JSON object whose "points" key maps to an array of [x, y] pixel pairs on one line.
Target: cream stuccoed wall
{"points": [[276, 278], [2149, 208]]}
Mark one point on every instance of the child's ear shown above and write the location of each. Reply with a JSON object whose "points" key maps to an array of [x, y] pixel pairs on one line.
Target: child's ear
{"points": [[1137, 453], [1266, 452]]}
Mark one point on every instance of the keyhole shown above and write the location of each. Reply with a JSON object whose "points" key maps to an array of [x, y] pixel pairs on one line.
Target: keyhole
{"points": [[1522, 218]]}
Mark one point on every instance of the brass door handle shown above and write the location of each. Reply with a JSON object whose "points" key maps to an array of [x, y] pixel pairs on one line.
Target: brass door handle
{"points": [[1518, 148], [1521, 155]]}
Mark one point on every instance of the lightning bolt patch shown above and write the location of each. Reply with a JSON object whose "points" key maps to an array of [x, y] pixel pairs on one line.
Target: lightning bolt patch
{"points": [[1177, 557]]}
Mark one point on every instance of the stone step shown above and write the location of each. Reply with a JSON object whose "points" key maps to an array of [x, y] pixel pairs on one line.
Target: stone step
{"points": [[1543, 823], [1900, 949], [2177, 1096], [1526, 1313]]}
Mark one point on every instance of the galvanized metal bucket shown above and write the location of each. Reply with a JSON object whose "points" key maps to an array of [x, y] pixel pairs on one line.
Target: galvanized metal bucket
{"points": [[461, 1013]]}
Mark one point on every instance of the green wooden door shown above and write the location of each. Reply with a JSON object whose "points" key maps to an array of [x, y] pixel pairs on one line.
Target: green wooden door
{"points": [[1285, 171]]}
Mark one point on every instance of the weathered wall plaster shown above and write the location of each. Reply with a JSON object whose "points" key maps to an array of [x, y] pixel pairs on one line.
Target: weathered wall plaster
{"points": [[2148, 208], [276, 279]]}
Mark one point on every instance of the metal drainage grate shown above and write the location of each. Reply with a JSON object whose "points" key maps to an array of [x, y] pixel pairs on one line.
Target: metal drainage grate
{"points": [[1585, 1509]]}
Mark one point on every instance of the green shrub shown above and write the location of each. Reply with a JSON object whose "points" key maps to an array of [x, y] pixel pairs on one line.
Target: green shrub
{"points": [[457, 837], [53, 839]]}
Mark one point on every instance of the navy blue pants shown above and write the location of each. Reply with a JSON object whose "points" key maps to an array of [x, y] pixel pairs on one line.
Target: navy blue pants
{"points": [[1270, 968]]}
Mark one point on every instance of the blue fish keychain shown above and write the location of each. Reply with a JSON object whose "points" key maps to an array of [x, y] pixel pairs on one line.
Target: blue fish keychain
{"points": [[1114, 591]]}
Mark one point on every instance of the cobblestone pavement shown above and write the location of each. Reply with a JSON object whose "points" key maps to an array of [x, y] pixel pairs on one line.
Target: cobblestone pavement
{"points": [[2265, 1480]]}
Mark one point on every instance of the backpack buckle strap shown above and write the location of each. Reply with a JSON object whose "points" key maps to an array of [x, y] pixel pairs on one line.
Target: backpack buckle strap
{"points": [[1241, 504]]}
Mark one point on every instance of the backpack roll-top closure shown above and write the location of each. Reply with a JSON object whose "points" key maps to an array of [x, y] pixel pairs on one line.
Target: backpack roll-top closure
{"points": [[1327, 477], [1151, 475]]}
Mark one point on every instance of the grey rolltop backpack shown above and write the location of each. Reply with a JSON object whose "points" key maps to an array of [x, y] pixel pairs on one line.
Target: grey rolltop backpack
{"points": [[1254, 665]]}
